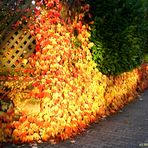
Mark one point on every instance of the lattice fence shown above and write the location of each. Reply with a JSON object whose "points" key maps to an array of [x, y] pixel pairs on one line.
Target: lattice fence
{"points": [[16, 47]]}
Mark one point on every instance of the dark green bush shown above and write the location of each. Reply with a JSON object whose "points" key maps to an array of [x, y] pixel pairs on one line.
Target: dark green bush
{"points": [[145, 4], [119, 33]]}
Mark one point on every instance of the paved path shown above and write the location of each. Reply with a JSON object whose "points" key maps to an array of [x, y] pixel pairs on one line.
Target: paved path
{"points": [[127, 129]]}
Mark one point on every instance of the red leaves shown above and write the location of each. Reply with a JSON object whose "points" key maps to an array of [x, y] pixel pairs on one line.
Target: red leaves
{"points": [[41, 87], [53, 14], [86, 8], [48, 81], [16, 24], [36, 84], [38, 49], [22, 119], [10, 112], [75, 75], [44, 72], [39, 95], [63, 81], [37, 11], [58, 72], [46, 42], [23, 134], [49, 4], [29, 71], [54, 20], [56, 14], [79, 25]]}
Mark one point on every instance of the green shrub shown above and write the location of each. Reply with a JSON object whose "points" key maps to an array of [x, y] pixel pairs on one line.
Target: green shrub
{"points": [[145, 4], [119, 34]]}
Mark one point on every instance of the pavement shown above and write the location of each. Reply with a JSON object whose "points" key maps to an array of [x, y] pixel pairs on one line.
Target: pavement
{"points": [[126, 129]]}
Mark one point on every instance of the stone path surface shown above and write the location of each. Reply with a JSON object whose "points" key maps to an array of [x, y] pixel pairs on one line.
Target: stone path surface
{"points": [[126, 129]]}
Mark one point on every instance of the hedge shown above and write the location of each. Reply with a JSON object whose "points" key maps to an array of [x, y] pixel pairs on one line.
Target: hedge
{"points": [[119, 33]]}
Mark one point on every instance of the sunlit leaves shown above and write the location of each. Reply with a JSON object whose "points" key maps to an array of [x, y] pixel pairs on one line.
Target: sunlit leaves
{"points": [[66, 92]]}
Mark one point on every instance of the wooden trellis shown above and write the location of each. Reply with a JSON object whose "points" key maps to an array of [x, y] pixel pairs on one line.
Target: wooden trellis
{"points": [[16, 47]]}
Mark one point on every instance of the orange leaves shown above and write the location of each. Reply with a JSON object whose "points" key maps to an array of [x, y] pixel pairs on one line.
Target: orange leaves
{"points": [[31, 120], [74, 88], [40, 123], [82, 125], [121, 90], [71, 91], [22, 119], [48, 81], [15, 133], [46, 124], [72, 104], [143, 77], [68, 130], [92, 118], [41, 95], [41, 87], [36, 84], [16, 124], [45, 137]]}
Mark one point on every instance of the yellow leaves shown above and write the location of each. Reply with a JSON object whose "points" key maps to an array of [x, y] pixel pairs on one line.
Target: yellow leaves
{"points": [[36, 136], [24, 61], [36, 90], [87, 34], [71, 107], [34, 127], [38, 36], [40, 116], [49, 47], [53, 40], [77, 91], [56, 95], [15, 133], [59, 27], [30, 138], [45, 137], [90, 45], [67, 34], [81, 38], [58, 58], [86, 119], [30, 132], [95, 106], [69, 120]]}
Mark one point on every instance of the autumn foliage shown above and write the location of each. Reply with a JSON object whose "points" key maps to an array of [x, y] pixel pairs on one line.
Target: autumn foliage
{"points": [[61, 91]]}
